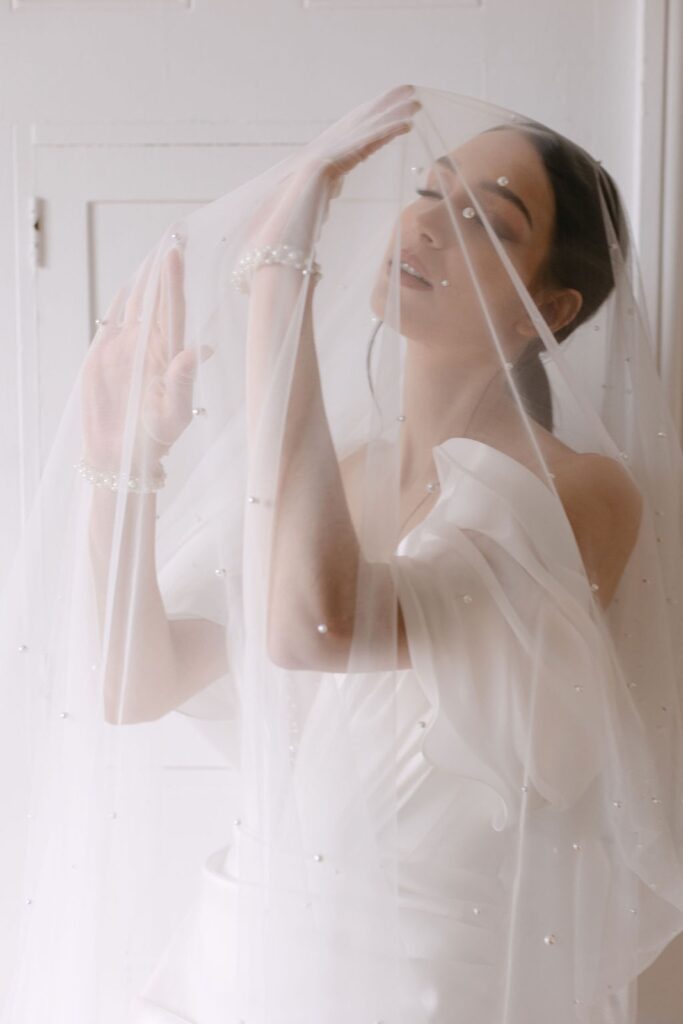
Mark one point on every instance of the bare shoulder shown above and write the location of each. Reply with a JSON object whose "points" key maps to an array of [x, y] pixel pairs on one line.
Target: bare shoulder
{"points": [[604, 508]]}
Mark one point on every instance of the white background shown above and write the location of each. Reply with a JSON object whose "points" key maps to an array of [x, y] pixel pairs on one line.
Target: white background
{"points": [[117, 116]]}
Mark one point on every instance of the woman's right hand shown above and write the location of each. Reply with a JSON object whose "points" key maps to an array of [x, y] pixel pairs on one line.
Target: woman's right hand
{"points": [[300, 204], [168, 374]]}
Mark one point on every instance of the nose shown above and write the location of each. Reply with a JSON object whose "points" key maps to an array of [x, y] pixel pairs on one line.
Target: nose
{"points": [[430, 235], [428, 226], [434, 225]]}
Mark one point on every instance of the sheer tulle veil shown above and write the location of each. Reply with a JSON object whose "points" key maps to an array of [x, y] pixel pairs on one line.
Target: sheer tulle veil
{"points": [[341, 655]]}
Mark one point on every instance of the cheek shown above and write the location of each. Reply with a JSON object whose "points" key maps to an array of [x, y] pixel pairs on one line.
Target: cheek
{"points": [[493, 296], [493, 278]]}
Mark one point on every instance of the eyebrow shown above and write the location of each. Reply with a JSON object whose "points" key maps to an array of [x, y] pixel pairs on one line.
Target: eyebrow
{"points": [[495, 188]]}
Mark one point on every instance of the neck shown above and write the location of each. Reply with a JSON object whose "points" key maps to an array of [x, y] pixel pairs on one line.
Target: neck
{"points": [[440, 398]]}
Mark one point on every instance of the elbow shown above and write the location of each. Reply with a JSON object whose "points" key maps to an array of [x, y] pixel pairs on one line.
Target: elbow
{"points": [[279, 652], [283, 637], [283, 658], [115, 714], [284, 653], [322, 650], [119, 711]]}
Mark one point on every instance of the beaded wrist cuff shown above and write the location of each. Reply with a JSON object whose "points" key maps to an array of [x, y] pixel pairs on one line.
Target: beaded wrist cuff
{"points": [[296, 258], [101, 478]]}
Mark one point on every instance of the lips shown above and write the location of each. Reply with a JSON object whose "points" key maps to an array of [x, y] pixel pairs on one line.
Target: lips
{"points": [[409, 257]]}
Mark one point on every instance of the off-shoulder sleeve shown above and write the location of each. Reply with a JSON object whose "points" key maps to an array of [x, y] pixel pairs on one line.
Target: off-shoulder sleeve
{"points": [[502, 641]]}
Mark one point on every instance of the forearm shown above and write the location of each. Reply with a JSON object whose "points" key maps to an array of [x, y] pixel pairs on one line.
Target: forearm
{"points": [[316, 555], [141, 665]]}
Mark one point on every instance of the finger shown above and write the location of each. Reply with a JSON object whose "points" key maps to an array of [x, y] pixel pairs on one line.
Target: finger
{"points": [[393, 97], [180, 378], [105, 324], [362, 152], [402, 114], [375, 133], [134, 303], [171, 305], [393, 103], [383, 133], [385, 102]]}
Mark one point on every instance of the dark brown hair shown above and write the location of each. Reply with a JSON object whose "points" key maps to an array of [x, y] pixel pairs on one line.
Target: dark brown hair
{"points": [[580, 255]]}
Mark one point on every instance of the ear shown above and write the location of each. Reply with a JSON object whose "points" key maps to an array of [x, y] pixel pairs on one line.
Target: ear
{"points": [[557, 309]]}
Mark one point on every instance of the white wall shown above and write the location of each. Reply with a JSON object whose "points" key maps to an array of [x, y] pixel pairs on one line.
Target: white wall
{"points": [[154, 104]]}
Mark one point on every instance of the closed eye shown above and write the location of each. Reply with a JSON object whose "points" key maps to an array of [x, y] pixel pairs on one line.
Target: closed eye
{"points": [[501, 232]]}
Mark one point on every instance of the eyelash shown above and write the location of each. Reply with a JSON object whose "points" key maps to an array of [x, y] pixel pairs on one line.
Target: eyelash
{"points": [[435, 195]]}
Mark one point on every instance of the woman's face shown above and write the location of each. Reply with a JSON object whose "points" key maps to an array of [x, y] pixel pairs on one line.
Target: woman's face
{"points": [[507, 175]]}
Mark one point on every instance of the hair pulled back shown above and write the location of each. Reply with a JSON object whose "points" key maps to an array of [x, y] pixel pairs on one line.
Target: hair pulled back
{"points": [[580, 254]]}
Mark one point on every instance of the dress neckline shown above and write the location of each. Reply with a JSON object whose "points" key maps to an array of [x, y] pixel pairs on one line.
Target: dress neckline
{"points": [[482, 450], [487, 465]]}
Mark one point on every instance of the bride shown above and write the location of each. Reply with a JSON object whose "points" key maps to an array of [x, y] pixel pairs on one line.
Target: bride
{"points": [[413, 609], [453, 380]]}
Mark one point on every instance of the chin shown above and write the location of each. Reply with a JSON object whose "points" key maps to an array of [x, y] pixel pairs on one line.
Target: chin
{"points": [[409, 326]]}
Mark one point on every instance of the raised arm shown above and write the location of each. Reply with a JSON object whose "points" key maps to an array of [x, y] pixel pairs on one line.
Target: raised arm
{"points": [[152, 664], [315, 555]]}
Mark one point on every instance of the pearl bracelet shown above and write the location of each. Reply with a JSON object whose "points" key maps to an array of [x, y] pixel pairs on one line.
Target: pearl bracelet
{"points": [[296, 258], [101, 478]]}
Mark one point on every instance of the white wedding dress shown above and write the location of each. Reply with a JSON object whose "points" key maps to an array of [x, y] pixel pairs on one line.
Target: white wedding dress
{"points": [[461, 711]]}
